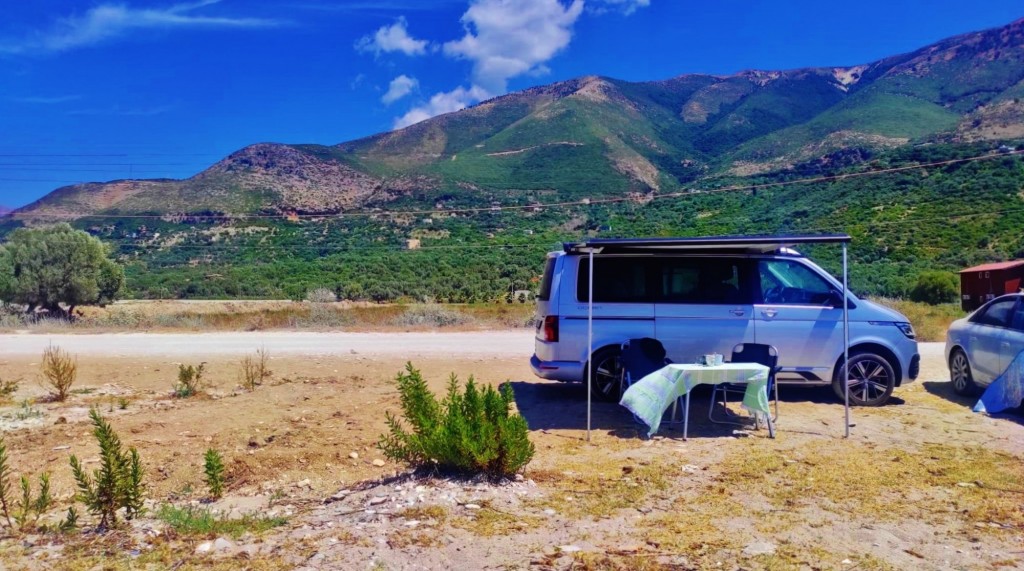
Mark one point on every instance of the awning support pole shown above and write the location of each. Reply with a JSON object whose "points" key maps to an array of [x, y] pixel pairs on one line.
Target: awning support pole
{"points": [[846, 345], [590, 335]]}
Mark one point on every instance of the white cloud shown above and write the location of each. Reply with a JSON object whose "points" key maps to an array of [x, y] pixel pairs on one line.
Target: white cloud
{"points": [[504, 39], [399, 88], [393, 38], [627, 7], [508, 38], [107, 21], [440, 103]]}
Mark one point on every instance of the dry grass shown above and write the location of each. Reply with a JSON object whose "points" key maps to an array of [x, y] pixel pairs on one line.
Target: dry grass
{"points": [[930, 321], [599, 487], [258, 316], [437, 514], [489, 521], [961, 482], [254, 369]]}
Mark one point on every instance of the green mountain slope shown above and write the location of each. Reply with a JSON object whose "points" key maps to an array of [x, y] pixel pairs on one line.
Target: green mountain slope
{"points": [[593, 137]]}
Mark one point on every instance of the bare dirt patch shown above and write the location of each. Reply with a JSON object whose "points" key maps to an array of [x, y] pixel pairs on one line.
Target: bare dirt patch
{"points": [[923, 483]]}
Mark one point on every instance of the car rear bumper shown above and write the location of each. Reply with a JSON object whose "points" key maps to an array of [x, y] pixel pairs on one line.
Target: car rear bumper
{"points": [[565, 371]]}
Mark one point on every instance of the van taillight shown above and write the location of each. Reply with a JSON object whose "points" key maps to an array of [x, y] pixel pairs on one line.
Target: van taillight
{"points": [[551, 328]]}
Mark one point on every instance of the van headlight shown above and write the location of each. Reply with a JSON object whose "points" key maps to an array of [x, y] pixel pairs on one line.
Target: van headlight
{"points": [[903, 326], [906, 328]]}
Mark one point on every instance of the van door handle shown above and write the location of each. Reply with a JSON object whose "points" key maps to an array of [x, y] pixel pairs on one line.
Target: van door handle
{"points": [[769, 313], [737, 312]]}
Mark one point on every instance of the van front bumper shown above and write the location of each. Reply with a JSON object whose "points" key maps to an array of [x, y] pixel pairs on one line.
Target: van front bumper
{"points": [[565, 371]]}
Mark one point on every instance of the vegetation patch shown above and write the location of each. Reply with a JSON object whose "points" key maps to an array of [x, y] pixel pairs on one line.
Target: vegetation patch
{"points": [[469, 432], [600, 487], [197, 521]]}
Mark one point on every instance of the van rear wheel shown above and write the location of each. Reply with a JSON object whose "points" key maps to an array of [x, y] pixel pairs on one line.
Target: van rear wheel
{"points": [[872, 380], [606, 375]]}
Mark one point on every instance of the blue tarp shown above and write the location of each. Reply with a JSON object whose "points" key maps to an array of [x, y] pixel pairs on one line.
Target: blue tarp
{"points": [[1007, 391]]}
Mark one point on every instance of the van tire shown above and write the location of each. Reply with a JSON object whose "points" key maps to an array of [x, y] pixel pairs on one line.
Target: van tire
{"points": [[867, 369], [606, 376]]}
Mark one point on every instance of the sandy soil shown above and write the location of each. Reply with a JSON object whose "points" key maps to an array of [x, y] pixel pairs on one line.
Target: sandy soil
{"points": [[902, 493]]}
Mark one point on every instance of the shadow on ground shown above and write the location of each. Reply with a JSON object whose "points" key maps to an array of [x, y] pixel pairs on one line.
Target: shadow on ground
{"points": [[944, 389], [548, 405]]}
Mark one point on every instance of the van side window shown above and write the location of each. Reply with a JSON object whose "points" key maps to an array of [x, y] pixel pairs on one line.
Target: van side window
{"points": [[621, 280], [785, 282], [702, 280]]}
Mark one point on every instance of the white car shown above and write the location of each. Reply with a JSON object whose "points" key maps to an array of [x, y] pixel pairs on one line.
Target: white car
{"points": [[981, 346]]}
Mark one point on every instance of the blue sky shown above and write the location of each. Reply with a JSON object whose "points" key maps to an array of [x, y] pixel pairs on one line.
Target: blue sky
{"points": [[100, 90]]}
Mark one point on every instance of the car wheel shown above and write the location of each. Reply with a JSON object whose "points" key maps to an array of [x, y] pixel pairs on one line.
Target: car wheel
{"points": [[606, 375], [872, 380], [960, 373]]}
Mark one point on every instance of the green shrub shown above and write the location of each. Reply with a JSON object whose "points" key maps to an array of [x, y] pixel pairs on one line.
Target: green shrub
{"points": [[190, 380], [213, 466], [28, 508], [935, 288], [117, 483], [471, 432]]}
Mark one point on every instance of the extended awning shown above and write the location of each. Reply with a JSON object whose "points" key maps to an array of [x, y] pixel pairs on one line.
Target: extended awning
{"points": [[710, 245]]}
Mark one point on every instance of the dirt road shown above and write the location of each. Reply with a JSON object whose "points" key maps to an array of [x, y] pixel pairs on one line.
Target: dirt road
{"points": [[496, 343]]}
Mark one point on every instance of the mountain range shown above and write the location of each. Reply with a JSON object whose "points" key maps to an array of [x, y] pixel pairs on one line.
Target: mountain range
{"points": [[598, 136]]}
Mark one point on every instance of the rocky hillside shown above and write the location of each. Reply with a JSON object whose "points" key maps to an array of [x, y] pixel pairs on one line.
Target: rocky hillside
{"points": [[596, 136]]}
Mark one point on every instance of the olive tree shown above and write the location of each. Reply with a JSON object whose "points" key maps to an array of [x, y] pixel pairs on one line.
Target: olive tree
{"points": [[49, 266]]}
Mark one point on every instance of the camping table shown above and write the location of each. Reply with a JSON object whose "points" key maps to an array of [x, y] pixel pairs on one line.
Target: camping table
{"points": [[649, 397]]}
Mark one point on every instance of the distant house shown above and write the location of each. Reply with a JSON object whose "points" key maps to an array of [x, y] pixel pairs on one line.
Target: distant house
{"points": [[987, 281], [412, 244]]}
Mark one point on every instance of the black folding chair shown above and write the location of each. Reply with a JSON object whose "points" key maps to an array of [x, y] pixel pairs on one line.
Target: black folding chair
{"points": [[760, 353], [639, 358]]}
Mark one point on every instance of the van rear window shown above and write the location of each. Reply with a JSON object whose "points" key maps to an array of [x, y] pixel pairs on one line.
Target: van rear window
{"points": [[545, 281]]}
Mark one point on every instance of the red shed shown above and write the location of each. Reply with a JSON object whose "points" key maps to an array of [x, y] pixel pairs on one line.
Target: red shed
{"points": [[982, 283]]}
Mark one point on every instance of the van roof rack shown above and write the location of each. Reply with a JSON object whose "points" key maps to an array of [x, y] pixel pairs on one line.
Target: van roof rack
{"points": [[709, 244]]}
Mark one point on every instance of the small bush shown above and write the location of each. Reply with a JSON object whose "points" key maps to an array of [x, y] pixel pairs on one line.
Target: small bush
{"points": [[7, 390], [432, 316], [935, 288], [471, 432], [190, 380], [213, 466], [255, 370], [321, 295], [59, 372], [28, 509], [117, 483]]}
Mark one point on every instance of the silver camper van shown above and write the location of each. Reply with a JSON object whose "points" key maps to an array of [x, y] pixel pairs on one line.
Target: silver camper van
{"points": [[707, 295]]}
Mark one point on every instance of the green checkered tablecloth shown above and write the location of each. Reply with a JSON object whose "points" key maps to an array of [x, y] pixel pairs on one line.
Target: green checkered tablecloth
{"points": [[651, 396]]}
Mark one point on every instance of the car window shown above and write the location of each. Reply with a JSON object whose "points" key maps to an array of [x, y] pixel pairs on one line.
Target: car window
{"points": [[702, 280], [616, 279], [997, 313], [1017, 322], [787, 282]]}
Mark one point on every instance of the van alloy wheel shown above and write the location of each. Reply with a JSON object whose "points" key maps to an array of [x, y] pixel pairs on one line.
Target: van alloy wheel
{"points": [[960, 373], [871, 379], [607, 375]]}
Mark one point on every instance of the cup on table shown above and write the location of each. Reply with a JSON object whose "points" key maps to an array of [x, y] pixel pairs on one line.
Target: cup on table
{"points": [[718, 359], [709, 359]]}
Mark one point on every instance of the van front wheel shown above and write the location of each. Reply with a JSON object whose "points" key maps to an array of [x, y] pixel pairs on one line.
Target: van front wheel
{"points": [[872, 380], [606, 375]]}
